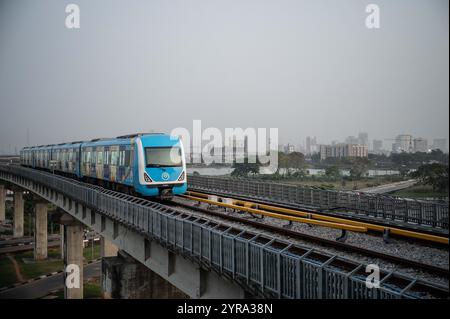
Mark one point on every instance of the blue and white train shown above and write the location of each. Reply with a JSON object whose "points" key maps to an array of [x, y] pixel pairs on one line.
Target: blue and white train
{"points": [[152, 165]]}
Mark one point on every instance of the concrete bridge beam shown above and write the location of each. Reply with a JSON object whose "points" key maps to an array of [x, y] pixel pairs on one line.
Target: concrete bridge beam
{"points": [[107, 248], [123, 277]]}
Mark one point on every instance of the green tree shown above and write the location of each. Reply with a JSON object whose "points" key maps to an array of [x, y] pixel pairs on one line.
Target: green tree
{"points": [[333, 172], [435, 175], [245, 168]]}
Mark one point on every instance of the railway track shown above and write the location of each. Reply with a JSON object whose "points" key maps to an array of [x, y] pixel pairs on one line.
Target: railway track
{"points": [[317, 240], [130, 211], [316, 218]]}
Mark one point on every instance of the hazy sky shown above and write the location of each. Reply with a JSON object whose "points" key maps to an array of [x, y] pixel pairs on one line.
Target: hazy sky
{"points": [[307, 67]]}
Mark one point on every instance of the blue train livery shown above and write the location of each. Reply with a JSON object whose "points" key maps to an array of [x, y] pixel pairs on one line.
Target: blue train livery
{"points": [[152, 165]]}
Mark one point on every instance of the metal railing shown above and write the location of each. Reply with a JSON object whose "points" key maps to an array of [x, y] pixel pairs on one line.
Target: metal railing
{"points": [[257, 262], [387, 208]]}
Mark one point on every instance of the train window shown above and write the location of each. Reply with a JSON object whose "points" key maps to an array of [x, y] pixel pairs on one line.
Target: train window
{"points": [[121, 158], [99, 157], [114, 157], [127, 158], [106, 157]]}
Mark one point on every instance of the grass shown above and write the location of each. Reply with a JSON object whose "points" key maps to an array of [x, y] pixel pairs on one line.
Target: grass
{"points": [[7, 273], [87, 253], [92, 290], [337, 184], [419, 191], [38, 268]]}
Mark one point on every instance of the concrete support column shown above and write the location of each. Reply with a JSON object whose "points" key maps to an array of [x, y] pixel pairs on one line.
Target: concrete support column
{"points": [[61, 241], [73, 255], [18, 214], [40, 231], [2, 203], [107, 248], [123, 277]]}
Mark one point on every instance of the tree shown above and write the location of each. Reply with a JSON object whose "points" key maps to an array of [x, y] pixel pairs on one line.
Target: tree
{"points": [[333, 172], [435, 175], [245, 168], [359, 168]]}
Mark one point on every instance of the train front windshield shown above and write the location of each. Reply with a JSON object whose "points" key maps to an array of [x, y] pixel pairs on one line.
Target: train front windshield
{"points": [[163, 156]]}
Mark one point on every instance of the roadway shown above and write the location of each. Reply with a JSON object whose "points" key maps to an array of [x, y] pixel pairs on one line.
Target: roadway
{"points": [[23, 244], [42, 287], [389, 188]]}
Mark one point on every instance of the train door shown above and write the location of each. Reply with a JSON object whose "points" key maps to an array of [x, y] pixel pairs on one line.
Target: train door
{"points": [[106, 161], [99, 166], [113, 165]]}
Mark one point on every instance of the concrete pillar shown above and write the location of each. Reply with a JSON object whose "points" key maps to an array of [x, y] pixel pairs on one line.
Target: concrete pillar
{"points": [[123, 277], [18, 214], [40, 231], [2, 203], [73, 255], [61, 241], [107, 248]]}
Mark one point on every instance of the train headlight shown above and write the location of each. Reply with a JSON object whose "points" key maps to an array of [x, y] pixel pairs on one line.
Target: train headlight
{"points": [[147, 178], [181, 178]]}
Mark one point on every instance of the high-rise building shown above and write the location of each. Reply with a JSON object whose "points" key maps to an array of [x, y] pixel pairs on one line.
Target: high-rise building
{"points": [[363, 138], [420, 144], [289, 148], [440, 143], [377, 146], [343, 150], [351, 140], [403, 143], [308, 145]]}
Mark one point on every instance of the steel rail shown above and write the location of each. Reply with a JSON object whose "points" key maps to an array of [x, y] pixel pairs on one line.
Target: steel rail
{"points": [[264, 209], [323, 241], [270, 265]]}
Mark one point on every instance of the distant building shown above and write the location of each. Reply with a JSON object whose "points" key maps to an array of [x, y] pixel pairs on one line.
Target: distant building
{"points": [[440, 143], [343, 150], [289, 149], [403, 143], [377, 146], [352, 140], [311, 145], [363, 138], [420, 145]]}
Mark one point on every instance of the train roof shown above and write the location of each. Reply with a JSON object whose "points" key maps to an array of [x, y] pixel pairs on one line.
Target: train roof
{"points": [[119, 140], [140, 134]]}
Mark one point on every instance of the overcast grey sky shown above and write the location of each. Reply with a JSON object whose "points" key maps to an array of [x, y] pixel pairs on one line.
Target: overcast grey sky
{"points": [[307, 67]]}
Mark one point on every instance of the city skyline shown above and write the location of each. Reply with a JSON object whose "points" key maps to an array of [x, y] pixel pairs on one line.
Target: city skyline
{"points": [[290, 65]]}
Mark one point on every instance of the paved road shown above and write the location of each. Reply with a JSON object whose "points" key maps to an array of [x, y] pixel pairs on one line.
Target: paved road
{"points": [[388, 188], [14, 241], [20, 248], [42, 287]]}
